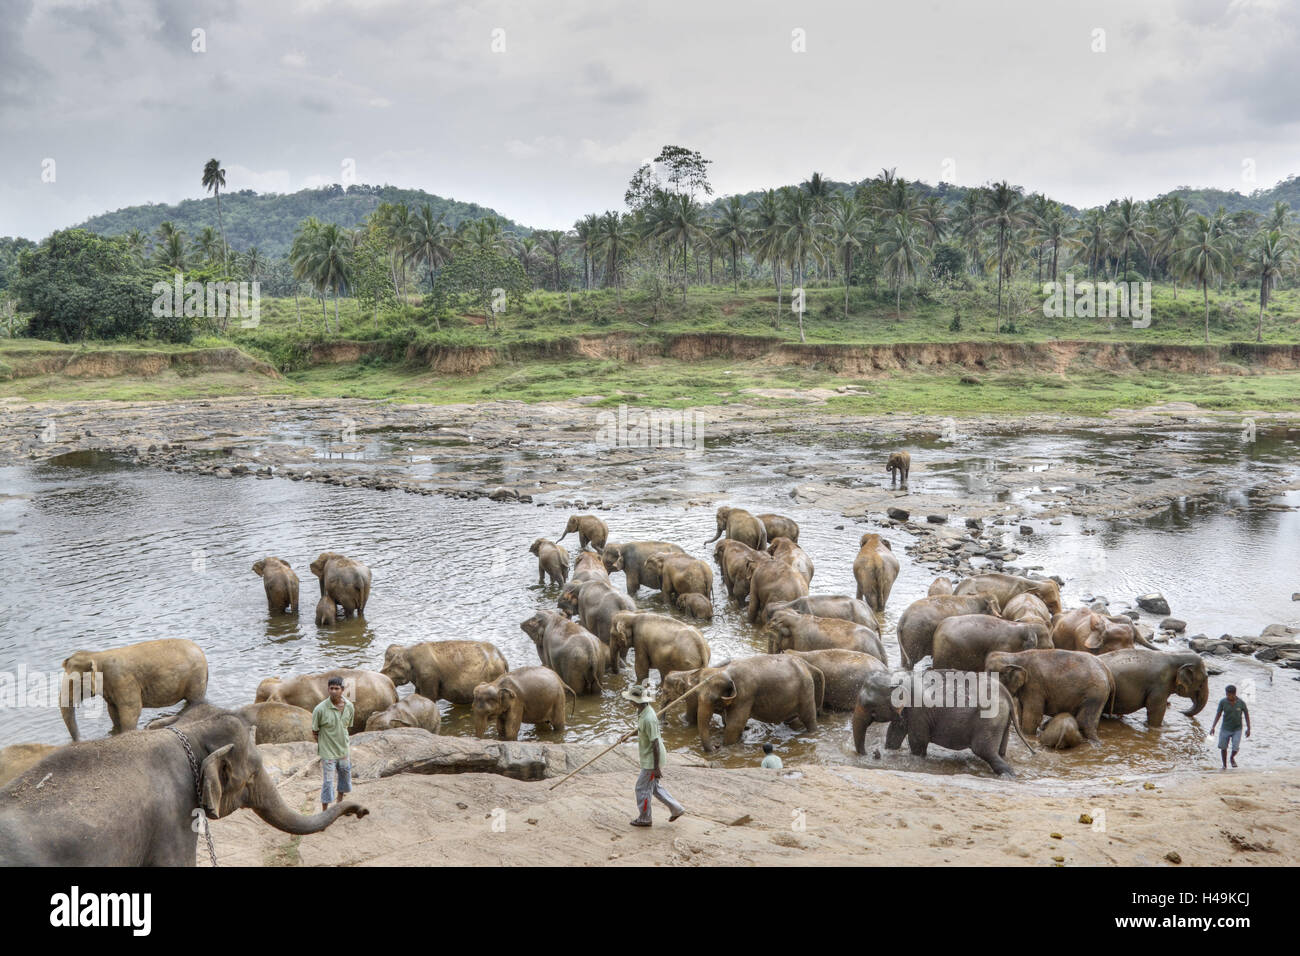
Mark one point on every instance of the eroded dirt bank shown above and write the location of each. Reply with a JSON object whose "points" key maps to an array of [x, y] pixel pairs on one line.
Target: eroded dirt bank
{"points": [[808, 815]]}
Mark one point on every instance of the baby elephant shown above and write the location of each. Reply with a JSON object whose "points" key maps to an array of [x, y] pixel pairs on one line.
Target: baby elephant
{"points": [[590, 529], [551, 559], [281, 584], [1061, 733], [412, 711], [527, 695], [696, 605], [900, 463], [327, 612]]}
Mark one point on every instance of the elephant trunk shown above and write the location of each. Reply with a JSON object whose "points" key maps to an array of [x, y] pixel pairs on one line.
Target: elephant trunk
{"points": [[480, 725], [1139, 639], [715, 537], [1200, 700], [267, 803], [69, 712], [861, 721]]}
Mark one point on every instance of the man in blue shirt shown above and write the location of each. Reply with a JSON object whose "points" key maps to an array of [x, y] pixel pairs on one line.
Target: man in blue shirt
{"points": [[1232, 708]]}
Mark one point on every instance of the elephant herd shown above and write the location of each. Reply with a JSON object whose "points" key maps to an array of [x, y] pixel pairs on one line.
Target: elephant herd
{"points": [[824, 653]]}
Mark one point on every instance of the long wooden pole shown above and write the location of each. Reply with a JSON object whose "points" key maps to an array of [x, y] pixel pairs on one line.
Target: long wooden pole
{"points": [[667, 707]]}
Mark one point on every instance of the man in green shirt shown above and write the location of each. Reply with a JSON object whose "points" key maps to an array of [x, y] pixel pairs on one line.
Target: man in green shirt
{"points": [[770, 761], [329, 728], [1232, 708], [653, 756]]}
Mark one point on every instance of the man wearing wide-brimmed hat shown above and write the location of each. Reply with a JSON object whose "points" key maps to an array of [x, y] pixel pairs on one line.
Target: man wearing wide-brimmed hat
{"points": [[653, 756]]}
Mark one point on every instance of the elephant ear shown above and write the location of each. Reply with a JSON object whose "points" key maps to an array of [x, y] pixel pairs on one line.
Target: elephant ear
{"points": [[1014, 677], [1185, 680], [885, 542], [728, 695], [215, 775], [1092, 641], [506, 696]]}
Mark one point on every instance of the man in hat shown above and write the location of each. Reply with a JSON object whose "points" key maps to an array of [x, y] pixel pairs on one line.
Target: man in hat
{"points": [[653, 756], [329, 728]]}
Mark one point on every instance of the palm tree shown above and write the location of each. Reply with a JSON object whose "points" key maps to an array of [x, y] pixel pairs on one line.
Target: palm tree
{"points": [[969, 229], [933, 215], [1094, 239], [1202, 259], [214, 180], [586, 231], [1279, 219], [171, 250], [1004, 212], [904, 254], [305, 241], [429, 240], [847, 230], [680, 220], [1058, 230], [768, 239], [553, 242], [1271, 256], [732, 231], [485, 235], [1172, 223], [819, 190], [254, 262], [799, 236], [329, 262], [615, 238], [208, 244], [138, 244], [1128, 226], [526, 252]]}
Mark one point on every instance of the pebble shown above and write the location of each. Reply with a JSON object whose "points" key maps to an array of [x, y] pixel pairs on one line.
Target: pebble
{"points": [[1173, 857]]}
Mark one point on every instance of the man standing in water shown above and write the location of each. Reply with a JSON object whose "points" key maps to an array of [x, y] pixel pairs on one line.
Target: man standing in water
{"points": [[1232, 708], [653, 756], [329, 728]]}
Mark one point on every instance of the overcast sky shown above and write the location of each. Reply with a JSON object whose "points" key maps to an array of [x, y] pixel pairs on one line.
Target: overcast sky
{"points": [[1186, 92]]}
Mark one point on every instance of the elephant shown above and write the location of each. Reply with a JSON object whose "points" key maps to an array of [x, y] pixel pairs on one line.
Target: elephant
{"points": [[133, 799], [529, 695], [680, 574], [662, 643], [276, 722], [1055, 682], [696, 605], [552, 560], [1006, 586], [736, 562], [569, 649], [773, 688], [740, 525], [281, 584], [414, 710], [590, 529], [939, 587], [676, 684], [596, 603], [16, 758], [444, 670], [962, 642], [1061, 733], [844, 671], [783, 549], [149, 674], [805, 632], [779, 526], [1082, 629], [1029, 609], [898, 466], [916, 624], [588, 566], [826, 605], [771, 581], [370, 692], [327, 612], [630, 557], [1148, 679], [875, 571], [345, 580], [983, 733]]}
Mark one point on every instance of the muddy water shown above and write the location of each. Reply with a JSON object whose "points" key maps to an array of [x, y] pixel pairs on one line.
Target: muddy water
{"points": [[97, 553]]}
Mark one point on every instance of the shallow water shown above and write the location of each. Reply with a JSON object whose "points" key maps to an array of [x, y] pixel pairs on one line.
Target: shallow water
{"points": [[97, 553]]}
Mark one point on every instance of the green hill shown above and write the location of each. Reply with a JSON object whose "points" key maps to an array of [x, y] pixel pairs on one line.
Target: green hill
{"points": [[268, 220]]}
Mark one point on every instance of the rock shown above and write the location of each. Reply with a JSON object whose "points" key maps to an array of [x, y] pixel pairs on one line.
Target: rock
{"points": [[1153, 603], [978, 525], [1173, 624], [1085, 818], [1173, 857], [937, 519], [1148, 785], [1277, 634], [223, 473], [1055, 836], [1098, 606], [898, 514], [1131, 614], [1026, 530]]}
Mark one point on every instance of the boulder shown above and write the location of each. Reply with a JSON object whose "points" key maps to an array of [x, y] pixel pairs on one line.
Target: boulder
{"points": [[898, 514], [1173, 624], [1153, 603]]}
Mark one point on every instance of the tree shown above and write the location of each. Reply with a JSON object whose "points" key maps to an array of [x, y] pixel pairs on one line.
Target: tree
{"points": [[680, 221], [847, 230], [1271, 255], [614, 237], [1202, 259], [428, 239], [769, 239], [254, 263], [799, 235], [732, 231], [1172, 222], [370, 270], [209, 246], [214, 180], [477, 275], [587, 238], [553, 242], [685, 167], [1128, 227], [1004, 212], [904, 255]]}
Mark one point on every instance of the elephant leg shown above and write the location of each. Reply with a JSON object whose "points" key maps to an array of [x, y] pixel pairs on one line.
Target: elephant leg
{"points": [[1006, 735], [753, 610], [541, 577], [1156, 706], [808, 712], [734, 721], [894, 734], [128, 706], [1031, 715], [642, 666], [557, 713], [1088, 716], [985, 751], [513, 720], [633, 582]]}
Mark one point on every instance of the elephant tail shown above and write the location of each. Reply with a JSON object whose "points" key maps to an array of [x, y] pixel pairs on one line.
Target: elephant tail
{"points": [[1110, 684], [570, 690], [1015, 723]]}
